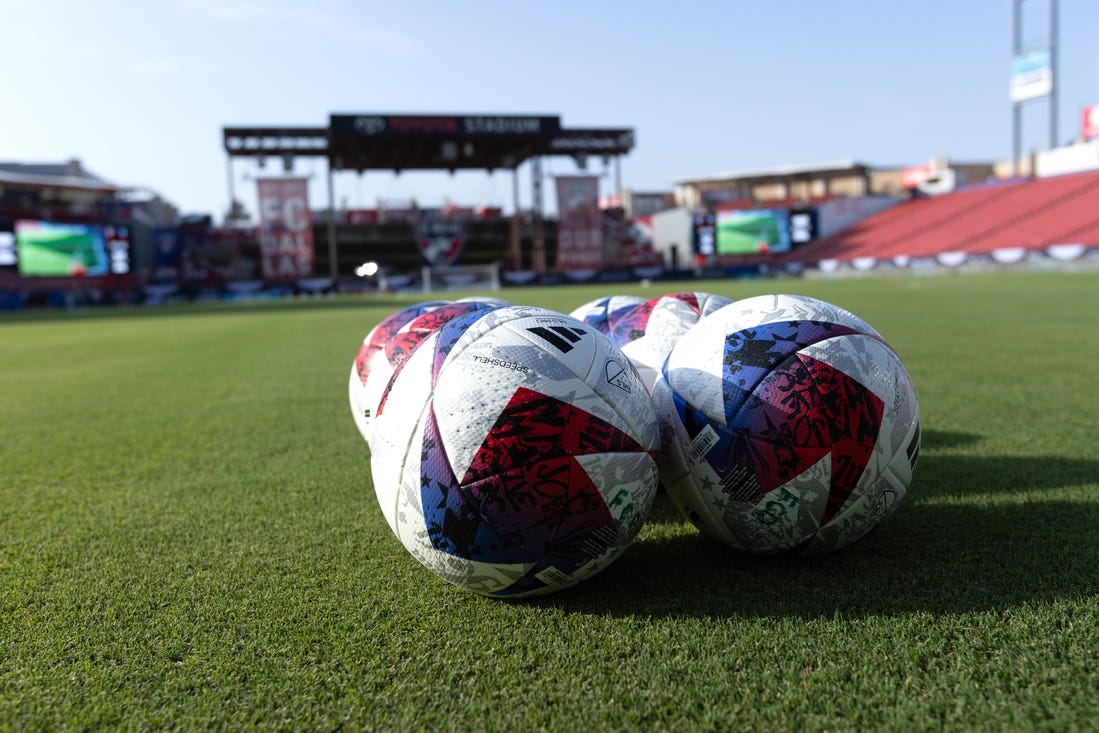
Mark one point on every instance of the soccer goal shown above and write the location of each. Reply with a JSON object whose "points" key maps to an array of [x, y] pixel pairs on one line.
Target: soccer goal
{"points": [[444, 278]]}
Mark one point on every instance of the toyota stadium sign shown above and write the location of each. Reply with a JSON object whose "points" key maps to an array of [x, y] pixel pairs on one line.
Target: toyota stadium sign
{"points": [[429, 126]]}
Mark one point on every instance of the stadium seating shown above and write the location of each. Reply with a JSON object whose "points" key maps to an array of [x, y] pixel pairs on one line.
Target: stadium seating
{"points": [[856, 237], [1060, 208], [979, 220]]}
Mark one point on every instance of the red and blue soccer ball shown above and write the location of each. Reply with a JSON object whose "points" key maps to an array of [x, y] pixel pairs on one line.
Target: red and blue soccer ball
{"points": [[647, 332], [390, 343], [601, 313], [788, 425], [371, 359], [514, 451]]}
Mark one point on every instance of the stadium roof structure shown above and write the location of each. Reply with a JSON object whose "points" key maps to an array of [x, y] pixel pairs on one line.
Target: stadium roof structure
{"points": [[69, 175], [450, 142], [782, 174], [440, 142]]}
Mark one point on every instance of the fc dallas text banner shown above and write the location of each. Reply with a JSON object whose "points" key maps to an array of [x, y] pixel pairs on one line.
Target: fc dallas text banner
{"points": [[286, 228], [579, 223]]}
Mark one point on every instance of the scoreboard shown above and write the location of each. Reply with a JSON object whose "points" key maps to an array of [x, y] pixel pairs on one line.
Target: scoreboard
{"points": [[31, 248]]}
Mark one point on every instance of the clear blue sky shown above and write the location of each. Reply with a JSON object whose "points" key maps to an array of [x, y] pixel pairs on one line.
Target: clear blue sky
{"points": [[140, 91]]}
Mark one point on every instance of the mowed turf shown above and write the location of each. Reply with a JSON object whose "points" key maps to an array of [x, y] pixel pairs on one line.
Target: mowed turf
{"points": [[189, 539]]}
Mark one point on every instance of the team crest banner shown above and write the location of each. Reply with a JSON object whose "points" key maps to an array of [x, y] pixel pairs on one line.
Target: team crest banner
{"points": [[286, 228], [579, 223], [439, 238]]}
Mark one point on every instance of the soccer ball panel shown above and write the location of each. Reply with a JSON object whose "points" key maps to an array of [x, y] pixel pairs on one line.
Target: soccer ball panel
{"points": [[627, 482], [363, 389], [487, 299], [762, 309], [601, 313], [647, 332], [397, 428], [354, 389]]}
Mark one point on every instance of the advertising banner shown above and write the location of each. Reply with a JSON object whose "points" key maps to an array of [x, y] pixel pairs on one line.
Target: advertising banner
{"points": [[913, 176], [1031, 75], [647, 204], [286, 228], [579, 223], [1089, 123]]}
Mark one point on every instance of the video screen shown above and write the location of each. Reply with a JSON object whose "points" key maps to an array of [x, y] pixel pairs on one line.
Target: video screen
{"points": [[52, 249], [7, 246], [756, 231], [803, 226], [702, 234], [118, 248]]}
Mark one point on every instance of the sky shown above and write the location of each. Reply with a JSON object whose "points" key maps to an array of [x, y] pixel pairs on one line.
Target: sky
{"points": [[140, 92]]}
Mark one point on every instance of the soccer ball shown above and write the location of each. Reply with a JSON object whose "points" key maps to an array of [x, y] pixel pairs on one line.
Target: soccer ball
{"points": [[371, 359], [514, 452], [647, 332], [483, 299], [601, 313], [400, 345], [788, 425]]}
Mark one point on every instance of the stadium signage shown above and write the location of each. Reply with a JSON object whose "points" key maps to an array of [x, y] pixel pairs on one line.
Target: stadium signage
{"points": [[1031, 76], [391, 126], [503, 125], [593, 142], [915, 175], [1089, 123], [580, 223], [286, 228]]}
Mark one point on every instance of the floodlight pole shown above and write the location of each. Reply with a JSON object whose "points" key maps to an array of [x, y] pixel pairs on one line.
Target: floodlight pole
{"points": [[333, 265], [229, 176], [1016, 107], [1053, 73], [515, 248], [618, 180], [538, 248]]}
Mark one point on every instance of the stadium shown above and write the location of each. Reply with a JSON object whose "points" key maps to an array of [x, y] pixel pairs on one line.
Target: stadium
{"points": [[817, 220], [189, 531]]}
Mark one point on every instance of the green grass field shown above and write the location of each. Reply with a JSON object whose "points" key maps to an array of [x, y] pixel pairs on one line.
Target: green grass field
{"points": [[189, 539]]}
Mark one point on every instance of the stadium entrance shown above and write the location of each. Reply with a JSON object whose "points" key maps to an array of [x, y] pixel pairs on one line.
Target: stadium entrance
{"points": [[390, 142]]}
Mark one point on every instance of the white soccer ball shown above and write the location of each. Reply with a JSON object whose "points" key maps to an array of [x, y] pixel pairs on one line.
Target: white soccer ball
{"points": [[788, 425], [647, 332], [514, 452], [371, 359], [601, 313]]}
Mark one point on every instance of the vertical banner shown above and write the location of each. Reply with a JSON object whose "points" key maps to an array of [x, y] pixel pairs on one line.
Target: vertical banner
{"points": [[286, 228], [579, 223], [439, 237], [167, 252]]}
